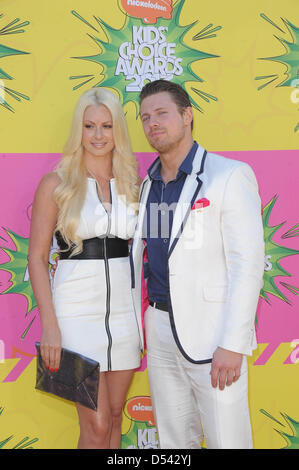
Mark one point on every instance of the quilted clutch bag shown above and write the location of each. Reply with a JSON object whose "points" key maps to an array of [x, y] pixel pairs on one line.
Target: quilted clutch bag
{"points": [[77, 378]]}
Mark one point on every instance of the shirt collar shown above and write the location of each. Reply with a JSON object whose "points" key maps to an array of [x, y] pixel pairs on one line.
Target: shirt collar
{"points": [[186, 166]]}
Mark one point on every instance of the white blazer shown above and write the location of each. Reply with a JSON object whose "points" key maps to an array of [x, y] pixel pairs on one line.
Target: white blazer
{"points": [[216, 264]]}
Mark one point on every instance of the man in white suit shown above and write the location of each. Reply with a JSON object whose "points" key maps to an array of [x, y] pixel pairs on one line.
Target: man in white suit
{"points": [[204, 278]]}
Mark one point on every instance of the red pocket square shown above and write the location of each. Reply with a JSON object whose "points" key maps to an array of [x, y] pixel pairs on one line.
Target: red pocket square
{"points": [[200, 203]]}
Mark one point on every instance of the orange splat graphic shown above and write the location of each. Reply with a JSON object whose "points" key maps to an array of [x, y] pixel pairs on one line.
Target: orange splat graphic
{"points": [[149, 10], [140, 409]]}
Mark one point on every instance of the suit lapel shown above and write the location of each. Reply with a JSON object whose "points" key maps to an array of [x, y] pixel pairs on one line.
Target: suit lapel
{"points": [[137, 240], [187, 198], [142, 206]]}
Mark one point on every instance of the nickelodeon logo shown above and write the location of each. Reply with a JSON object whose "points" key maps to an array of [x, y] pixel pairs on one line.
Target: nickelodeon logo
{"points": [[149, 10], [140, 409]]}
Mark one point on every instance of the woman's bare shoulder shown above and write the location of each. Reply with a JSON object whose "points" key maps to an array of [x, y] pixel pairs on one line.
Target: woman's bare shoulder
{"points": [[47, 186], [49, 181]]}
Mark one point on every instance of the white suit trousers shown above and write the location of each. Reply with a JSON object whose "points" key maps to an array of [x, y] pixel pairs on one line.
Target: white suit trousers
{"points": [[186, 407]]}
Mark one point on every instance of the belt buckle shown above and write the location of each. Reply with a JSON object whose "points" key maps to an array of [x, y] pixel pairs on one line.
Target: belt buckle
{"points": [[159, 306]]}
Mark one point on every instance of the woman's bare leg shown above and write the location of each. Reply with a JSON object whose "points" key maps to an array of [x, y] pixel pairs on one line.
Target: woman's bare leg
{"points": [[95, 426], [118, 383], [101, 429]]}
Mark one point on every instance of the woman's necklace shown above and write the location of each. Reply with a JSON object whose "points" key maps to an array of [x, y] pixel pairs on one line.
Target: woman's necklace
{"points": [[99, 177], [104, 180]]}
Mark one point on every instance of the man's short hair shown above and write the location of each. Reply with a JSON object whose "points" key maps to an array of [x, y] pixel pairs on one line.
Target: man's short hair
{"points": [[178, 94]]}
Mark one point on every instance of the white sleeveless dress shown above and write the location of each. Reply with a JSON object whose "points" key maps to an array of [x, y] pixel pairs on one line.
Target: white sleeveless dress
{"points": [[92, 298]]}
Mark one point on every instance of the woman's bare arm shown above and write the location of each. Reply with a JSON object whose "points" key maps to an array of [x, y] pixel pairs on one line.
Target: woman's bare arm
{"points": [[43, 221]]}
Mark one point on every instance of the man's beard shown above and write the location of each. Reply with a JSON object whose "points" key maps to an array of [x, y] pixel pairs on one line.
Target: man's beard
{"points": [[166, 145]]}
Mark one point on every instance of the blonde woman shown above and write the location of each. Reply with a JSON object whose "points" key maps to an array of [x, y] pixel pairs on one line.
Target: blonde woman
{"points": [[89, 203]]}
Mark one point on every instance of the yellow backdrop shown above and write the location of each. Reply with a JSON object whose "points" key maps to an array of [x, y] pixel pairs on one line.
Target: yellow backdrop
{"points": [[239, 112]]}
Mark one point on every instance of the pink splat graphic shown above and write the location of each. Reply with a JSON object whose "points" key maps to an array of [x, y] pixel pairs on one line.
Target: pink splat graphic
{"points": [[277, 321], [277, 174], [19, 178]]}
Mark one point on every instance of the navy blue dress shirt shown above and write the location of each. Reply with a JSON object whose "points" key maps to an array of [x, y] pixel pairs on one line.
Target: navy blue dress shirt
{"points": [[160, 208]]}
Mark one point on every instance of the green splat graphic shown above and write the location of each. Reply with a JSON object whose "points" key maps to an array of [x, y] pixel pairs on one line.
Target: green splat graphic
{"points": [[130, 439], [109, 51], [275, 253], [292, 438], [290, 59], [25, 443], [14, 27], [17, 267]]}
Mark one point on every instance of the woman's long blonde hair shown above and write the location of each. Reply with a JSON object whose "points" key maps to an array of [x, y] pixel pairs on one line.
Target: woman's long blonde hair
{"points": [[70, 193]]}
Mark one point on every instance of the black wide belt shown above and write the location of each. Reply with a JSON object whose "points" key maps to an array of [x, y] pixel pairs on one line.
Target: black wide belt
{"points": [[159, 306], [98, 248]]}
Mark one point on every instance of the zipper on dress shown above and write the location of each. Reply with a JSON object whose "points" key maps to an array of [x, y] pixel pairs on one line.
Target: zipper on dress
{"points": [[107, 275]]}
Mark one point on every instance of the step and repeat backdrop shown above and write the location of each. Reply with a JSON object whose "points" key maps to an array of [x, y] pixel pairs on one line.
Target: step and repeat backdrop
{"points": [[239, 61]]}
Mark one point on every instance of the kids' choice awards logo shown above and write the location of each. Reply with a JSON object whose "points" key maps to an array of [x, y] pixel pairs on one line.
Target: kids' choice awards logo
{"points": [[149, 10], [140, 52], [147, 57]]}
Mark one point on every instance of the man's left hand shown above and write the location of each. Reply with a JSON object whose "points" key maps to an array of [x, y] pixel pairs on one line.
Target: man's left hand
{"points": [[226, 367]]}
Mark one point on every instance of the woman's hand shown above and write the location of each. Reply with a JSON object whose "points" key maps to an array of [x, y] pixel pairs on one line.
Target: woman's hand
{"points": [[54, 266], [50, 346]]}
